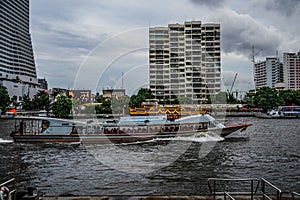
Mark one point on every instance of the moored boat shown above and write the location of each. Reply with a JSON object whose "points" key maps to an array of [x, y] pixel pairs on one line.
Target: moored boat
{"points": [[283, 112], [128, 129]]}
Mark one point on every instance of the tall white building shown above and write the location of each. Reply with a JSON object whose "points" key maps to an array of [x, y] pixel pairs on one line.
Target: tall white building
{"points": [[17, 67], [291, 65], [185, 61], [268, 73]]}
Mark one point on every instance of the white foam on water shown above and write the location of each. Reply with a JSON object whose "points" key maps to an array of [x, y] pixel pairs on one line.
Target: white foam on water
{"points": [[205, 137], [5, 141]]}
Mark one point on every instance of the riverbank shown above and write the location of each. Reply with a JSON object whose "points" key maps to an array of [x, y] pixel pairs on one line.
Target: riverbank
{"points": [[150, 198], [109, 116]]}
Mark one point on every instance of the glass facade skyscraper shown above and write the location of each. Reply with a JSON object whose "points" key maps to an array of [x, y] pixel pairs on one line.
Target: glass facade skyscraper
{"points": [[17, 66]]}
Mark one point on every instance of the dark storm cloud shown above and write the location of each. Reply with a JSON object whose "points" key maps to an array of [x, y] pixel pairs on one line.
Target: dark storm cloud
{"points": [[287, 7], [209, 3], [64, 32], [240, 32]]}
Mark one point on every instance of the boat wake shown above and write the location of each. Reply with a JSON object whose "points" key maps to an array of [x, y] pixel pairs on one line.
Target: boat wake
{"points": [[5, 141], [199, 138]]}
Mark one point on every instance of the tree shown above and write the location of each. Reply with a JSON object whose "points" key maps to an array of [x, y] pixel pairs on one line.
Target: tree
{"points": [[62, 107], [41, 101], [26, 103], [99, 98], [120, 105], [104, 108], [4, 99], [249, 98], [14, 101], [183, 100], [137, 100], [266, 98], [289, 97], [220, 98], [230, 98]]}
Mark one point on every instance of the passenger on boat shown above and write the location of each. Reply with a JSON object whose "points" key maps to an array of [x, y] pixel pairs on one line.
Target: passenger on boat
{"points": [[4, 192], [21, 127], [74, 131]]}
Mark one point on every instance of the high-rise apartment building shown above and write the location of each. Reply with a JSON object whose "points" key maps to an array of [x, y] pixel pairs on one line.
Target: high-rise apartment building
{"points": [[185, 61], [17, 67], [291, 65], [267, 73]]}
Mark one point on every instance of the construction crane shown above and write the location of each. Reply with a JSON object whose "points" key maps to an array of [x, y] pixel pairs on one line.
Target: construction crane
{"points": [[233, 83]]}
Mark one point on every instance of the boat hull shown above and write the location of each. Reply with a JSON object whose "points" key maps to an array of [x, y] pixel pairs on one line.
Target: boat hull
{"points": [[120, 137]]}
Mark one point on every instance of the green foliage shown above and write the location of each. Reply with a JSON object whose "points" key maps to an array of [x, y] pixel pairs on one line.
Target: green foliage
{"points": [[4, 99], [14, 101], [220, 98], [104, 108], [27, 103], [289, 97], [230, 98], [62, 107], [209, 100], [41, 101], [120, 105], [99, 98], [137, 100], [268, 98], [249, 98], [183, 100]]}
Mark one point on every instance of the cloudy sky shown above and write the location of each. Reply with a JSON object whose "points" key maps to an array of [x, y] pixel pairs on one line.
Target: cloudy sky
{"points": [[91, 43]]}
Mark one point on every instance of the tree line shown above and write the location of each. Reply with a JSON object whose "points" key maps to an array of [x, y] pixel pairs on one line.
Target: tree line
{"points": [[265, 98], [268, 98]]}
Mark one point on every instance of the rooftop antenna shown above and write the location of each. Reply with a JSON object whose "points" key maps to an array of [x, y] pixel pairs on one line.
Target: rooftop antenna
{"points": [[277, 55], [254, 53], [122, 81]]}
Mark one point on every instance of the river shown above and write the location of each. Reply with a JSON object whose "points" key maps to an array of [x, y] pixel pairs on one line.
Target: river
{"points": [[269, 149]]}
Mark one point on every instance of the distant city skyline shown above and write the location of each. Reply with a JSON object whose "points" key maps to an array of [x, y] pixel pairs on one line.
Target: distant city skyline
{"points": [[64, 33]]}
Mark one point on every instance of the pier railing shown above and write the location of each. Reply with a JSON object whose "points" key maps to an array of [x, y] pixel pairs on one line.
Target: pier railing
{"points": [[225, 185], [11, 186], [266, 184], [295, 195], [226, 194]]}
